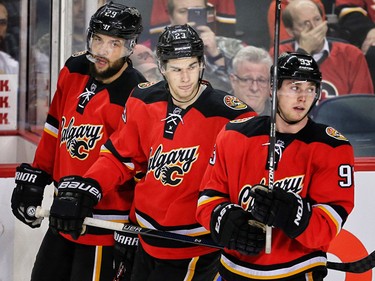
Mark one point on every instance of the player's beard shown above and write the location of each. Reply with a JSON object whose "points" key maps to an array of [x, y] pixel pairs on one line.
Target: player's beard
{"points": [[109, 72]]}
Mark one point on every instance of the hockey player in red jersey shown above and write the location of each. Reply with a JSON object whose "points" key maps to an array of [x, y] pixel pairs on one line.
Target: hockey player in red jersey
{"points": [[313, 191], [167, 133], [92, 89]]}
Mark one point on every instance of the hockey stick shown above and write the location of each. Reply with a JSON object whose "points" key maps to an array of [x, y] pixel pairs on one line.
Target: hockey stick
{"points": [[139, 230], [271, 149], [358, 266]]}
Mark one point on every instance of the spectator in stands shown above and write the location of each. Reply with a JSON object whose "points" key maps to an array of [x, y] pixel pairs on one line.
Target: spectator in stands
{"points": [[144, 61], [343, 66], [219, 51], [357, 21], [8, 65], [250, 78], [284, 35], [225, 19]]}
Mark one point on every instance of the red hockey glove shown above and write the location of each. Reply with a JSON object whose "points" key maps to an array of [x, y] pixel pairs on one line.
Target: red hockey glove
{"points": [[75, 200], [124, 251], [282, 209], [235, 229], [28, 193]]}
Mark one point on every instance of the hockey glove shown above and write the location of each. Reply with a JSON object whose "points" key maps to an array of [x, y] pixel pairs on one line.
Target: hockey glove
{"points": [[235, 229], [28, 193], [282, 209], [124, 251], [76, 197]]}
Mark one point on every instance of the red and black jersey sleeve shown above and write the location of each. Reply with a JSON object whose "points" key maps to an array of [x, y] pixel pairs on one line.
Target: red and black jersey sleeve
{"points": [[45, 155], [121, 157]]}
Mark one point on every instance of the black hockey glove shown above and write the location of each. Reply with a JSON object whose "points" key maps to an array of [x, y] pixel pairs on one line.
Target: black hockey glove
{"points": [[124, 251], [28, 193], [235, 229], [75, 200], [282, 209]]}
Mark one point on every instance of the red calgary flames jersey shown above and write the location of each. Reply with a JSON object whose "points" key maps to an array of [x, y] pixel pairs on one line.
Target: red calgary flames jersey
{"points": [[172, 147], [83, 114], [317, 163]]}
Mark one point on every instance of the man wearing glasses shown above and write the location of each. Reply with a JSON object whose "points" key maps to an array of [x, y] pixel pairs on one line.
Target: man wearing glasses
{"points": [[250, 78]]}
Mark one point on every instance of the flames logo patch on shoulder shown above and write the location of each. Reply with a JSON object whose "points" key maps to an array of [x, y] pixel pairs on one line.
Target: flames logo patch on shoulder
{"points": [[145, 85], [77, 54], [241, 120], [335, 134], [234, 103]]}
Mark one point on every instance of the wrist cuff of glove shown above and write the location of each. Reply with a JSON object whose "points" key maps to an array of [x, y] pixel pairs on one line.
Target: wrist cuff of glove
{"points": [[301, 222], [218, 218], [27, 175], [88, 187]]}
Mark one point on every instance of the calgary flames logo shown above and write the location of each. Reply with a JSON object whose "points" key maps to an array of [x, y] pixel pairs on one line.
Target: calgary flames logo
{"points": [[80, 139], [170, 167]]}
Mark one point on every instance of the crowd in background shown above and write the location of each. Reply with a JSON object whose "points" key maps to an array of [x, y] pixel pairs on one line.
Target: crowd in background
{"points": [[340, 36], [347, 66], [231, 25]]}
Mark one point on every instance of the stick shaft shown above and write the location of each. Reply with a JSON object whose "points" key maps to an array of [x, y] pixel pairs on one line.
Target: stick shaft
{"points": [[359, 266], [271, 151], [123, 227]]}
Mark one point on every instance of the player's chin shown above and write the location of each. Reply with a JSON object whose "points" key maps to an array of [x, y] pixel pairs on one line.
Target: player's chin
{"points": [[299, 117]]}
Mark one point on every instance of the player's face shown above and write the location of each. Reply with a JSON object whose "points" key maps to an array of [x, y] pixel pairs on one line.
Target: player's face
{"points": [[109, 53], [295, 99], [250, 83], [182, 76], [180, 12]]}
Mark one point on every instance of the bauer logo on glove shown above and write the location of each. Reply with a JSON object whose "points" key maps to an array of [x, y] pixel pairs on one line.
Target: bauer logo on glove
{"points": [[70, 184]]}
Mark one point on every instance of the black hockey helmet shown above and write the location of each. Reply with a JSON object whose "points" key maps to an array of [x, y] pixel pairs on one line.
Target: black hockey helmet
{"points": [[116, 20], [298, 66], [179, 41]]}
